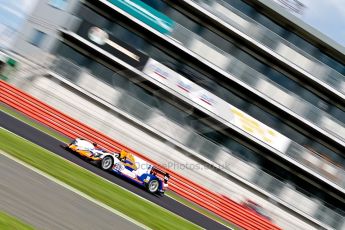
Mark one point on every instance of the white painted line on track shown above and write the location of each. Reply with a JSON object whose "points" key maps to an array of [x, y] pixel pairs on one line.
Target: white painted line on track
{"points": [[89, 198], [97, 174], [199, 212], [81, 193]]}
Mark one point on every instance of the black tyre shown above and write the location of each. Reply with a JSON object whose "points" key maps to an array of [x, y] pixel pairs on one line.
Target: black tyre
{"points": [[107, 163], [153, 186]]}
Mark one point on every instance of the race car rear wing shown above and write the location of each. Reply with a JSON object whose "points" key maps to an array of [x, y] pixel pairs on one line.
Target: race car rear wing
{"points": [[163, 173]]}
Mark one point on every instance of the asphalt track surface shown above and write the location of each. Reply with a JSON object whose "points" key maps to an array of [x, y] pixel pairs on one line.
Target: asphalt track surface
{"points": [[44, 204], [14, 125]]}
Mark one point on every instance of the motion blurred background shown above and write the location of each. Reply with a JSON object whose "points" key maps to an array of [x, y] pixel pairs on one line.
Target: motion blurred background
{"points": [[245, 98]]}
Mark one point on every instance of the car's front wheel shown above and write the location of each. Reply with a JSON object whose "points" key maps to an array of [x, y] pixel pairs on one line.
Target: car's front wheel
{"points": [[107, 163], [153, 186]]}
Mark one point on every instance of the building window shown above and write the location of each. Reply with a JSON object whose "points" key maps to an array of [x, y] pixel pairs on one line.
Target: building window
{"points": [[59, 4], [37, 38]]}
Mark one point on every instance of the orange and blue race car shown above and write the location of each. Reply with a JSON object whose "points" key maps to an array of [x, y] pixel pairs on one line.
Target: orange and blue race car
{"points": [[85, 149], [123, 164]]}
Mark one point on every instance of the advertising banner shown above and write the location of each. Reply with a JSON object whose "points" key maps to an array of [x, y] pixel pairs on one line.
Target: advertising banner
{"points": [[182, 85], [259, 130], [146, 14], [219, 107], [109, 43]]}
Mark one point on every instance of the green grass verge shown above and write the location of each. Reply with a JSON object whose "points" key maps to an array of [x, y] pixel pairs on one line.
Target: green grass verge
{"points": [[29, 121], [62, 138], [114, 196], [8, 222], [201, 210]]}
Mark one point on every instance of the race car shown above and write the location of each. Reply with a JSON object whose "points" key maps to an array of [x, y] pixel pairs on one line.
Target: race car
{"points": [[86, 149], [124, 164], [137, 170]]}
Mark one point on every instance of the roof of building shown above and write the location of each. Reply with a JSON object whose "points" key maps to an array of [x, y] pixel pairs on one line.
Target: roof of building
{"points": [[274, 10]]}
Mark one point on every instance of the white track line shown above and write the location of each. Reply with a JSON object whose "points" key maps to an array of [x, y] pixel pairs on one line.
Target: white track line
{"points": [[81, 193], [200, 212], [89, 198], [106, 179]]}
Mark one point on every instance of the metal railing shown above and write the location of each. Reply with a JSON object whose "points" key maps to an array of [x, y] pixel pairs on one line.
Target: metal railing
{"points": [[220, 155], [298, 153], [56, 96], [258, 82], [274, 42]]}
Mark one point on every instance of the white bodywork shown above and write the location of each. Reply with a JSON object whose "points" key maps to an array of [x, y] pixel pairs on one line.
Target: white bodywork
{"points": [[88, 146], [143, 167], [84, 145]]}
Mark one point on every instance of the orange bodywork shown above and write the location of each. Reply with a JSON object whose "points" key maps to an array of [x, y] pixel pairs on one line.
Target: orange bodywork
{"points": [[129, 160], [84, 153]]}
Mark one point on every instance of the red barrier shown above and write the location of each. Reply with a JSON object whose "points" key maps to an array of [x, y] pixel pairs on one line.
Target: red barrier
{"points": [[222, 206]]}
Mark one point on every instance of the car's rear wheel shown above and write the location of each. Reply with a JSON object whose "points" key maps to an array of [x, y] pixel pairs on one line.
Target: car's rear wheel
{"points": [[153, 186], [107, 163]]}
